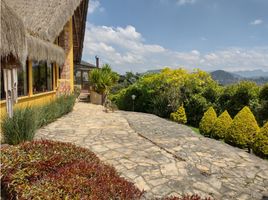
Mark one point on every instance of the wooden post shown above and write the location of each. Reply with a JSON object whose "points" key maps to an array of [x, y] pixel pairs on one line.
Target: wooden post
{"points": [[30, 77], [54, 76], [8, 90]]}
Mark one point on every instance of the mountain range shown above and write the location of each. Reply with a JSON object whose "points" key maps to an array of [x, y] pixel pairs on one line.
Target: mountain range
{"points": [[225, 77], [252, 73]]}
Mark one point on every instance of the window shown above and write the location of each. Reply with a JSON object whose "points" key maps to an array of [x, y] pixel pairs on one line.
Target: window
{"points": [[42, 77], [23, 80], [3, 93]]}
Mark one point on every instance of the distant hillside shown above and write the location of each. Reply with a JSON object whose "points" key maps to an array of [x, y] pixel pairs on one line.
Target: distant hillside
{"points": [[252, 73], [154, 71], [225, 78]]}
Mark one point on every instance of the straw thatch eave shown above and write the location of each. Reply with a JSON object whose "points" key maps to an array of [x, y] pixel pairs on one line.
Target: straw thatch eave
{"points": [[13, 40], [41, 50], [45, 19]]}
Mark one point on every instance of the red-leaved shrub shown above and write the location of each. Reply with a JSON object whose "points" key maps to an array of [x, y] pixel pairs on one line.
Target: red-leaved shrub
{"points": [[54, 170], [187, 197]]}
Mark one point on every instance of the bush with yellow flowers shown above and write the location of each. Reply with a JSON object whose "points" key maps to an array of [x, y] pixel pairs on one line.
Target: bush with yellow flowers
{"points": [[207, 122], [179, 116], [243, 129], [260, 146], [219, 130]]}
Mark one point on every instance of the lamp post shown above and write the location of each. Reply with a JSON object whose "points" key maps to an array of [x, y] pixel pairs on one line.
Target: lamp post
{"points": [[133, 96]]}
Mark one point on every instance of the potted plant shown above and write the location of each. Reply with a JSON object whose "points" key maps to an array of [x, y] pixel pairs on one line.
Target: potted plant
{"points": [[101, 81]]}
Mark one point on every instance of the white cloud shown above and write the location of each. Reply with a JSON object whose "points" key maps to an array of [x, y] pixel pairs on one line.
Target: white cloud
{"points": [[126, 50], [94, 5], [183, 2], [256, 22]]}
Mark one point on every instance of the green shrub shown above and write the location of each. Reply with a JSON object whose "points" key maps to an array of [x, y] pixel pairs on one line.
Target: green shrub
{"points": [[243, 129], [195, 107], [55, 109], [223, 122], [77, 90], [179, 116], [56, 170], [166, 101], [260, 146], [21, 127], [262, 113], [239, 95], [207, 122], [103, 79]]}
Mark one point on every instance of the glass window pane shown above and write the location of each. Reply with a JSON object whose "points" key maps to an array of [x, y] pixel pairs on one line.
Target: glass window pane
{"points": [[42, 77], [3, 93], [85, 76], [23, 81]]}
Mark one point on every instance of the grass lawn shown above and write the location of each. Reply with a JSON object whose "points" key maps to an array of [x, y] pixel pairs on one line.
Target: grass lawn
{"points": [[196, 130]]}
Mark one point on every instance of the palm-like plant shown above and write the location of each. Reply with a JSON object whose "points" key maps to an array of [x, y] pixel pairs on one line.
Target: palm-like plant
{"points": [[103, 79]]}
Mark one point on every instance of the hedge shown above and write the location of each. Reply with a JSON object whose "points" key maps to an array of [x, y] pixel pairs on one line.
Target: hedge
{"points": [[243, 129], [223, 122], [207, 122]]}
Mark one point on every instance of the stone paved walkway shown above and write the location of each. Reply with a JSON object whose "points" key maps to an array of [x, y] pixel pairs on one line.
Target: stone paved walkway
{"points": [[162, 157]]}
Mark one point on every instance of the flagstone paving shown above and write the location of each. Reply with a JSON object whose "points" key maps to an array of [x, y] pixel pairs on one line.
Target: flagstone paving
{"points": [[162, 157]]}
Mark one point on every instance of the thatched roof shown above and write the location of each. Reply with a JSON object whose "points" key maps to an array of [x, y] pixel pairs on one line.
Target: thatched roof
{"points": [[41, 50], [13, 42], [45, 19]]}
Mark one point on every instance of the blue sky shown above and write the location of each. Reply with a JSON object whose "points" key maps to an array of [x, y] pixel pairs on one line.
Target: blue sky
{"points": [[141, 35]]}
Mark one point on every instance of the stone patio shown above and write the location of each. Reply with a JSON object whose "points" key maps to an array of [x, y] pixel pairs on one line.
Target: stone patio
{"points": [[162, 157]]}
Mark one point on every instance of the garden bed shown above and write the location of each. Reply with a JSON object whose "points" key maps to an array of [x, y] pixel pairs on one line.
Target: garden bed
{"points": [[55, 170]]}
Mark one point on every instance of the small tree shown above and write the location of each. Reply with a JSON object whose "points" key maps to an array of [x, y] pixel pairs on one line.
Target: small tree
{"points": [[207, 122], [219, 130], [102, 80], [260, 146], [179, 116], [243, 130]]}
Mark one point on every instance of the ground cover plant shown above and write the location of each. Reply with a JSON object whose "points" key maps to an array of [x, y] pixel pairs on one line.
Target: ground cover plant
{"points": [[55, 170], [25, 121], [187, 197]]}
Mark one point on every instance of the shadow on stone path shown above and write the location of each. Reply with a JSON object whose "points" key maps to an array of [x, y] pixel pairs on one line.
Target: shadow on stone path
{"points": [[162, 157]]}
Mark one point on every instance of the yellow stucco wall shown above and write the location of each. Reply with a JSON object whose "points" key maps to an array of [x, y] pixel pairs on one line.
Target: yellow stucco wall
{"points": [[35, 100]]}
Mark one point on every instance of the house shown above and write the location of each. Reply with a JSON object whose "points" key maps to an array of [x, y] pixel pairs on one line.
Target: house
{"points": [[81, 74], [42, 40]]}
